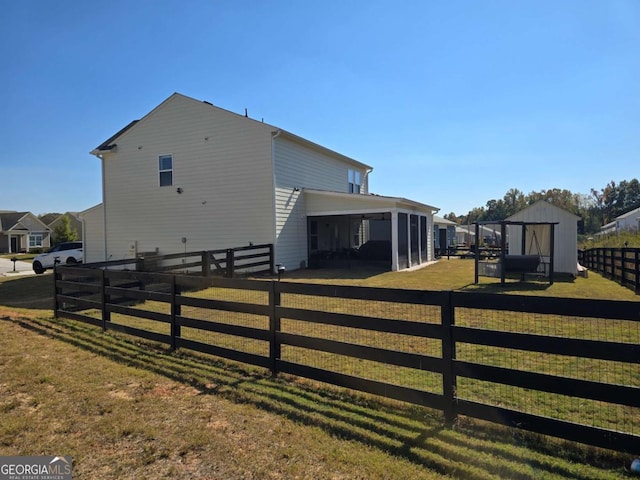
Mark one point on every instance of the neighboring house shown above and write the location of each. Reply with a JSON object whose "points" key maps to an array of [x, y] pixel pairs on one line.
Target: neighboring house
{"points": [[629, 221], [53, 219], [444, 233], [22, 232], [537, 237], [466, 235], [192, 176]]}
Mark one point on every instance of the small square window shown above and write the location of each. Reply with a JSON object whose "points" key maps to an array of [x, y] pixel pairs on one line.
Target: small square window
{"points": [[165, 168]]}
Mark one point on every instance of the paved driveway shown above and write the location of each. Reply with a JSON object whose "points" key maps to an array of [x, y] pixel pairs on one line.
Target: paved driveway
{"points": [[22, 268]]}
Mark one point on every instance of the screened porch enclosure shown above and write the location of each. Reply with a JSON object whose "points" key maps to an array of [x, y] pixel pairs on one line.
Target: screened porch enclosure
{"points": [[336, 240], [393, 231], [346, 240]]}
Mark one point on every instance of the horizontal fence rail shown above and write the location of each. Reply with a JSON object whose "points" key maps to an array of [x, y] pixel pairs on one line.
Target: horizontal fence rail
{"points": [[619, 264], [569, 368], [229, 262]]}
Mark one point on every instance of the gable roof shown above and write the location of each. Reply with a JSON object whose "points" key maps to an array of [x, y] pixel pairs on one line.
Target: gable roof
{"points": [[11, 220], [538, 205], [635, 211], [49, 218], [111, 142], [442, 221]]}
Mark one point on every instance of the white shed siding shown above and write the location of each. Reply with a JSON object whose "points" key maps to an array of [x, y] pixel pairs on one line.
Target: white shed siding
{"points": [[220, 161], [565, 233], [93, 234], [298, 166]]}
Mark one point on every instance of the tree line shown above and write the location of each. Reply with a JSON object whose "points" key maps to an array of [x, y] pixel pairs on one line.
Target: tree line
{"points": [[595, 209]]}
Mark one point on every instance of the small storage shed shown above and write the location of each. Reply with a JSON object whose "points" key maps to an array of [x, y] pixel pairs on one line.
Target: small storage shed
{"points": [[537, 237]]}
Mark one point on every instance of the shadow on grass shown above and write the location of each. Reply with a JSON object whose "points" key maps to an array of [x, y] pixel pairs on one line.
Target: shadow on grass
{"points": [[30, 292], [514, 283], [469, 450], [342, 270]]}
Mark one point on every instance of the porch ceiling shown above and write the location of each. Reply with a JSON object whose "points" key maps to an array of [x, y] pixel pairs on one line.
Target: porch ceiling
{"points": [[321, 202]]}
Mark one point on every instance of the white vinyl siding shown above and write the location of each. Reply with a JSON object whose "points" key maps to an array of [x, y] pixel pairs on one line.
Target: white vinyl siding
{"points": [[93, 234], [298, 166], [224, 175]]}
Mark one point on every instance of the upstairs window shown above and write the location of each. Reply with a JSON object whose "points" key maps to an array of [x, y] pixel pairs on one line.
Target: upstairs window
{"points": [[165, 164], [354, 181]]}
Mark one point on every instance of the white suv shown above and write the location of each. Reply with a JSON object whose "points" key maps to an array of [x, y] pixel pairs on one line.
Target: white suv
{"points": [[65, 253]]}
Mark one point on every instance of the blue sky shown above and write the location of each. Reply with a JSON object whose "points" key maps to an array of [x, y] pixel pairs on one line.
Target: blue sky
{"points": [[453, 103]]}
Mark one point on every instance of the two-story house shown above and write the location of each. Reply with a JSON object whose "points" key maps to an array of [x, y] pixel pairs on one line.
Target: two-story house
{"points": [[192, 176]]}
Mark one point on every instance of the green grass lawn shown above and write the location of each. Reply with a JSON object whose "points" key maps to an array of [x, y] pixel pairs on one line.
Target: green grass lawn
{"points": [[24, 257], [127, 408], [458, 274]]}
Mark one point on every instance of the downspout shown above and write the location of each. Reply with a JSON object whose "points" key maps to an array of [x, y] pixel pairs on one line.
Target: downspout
{"points": [[104, 206], [367, 172], [104, 209], [274, 135]]}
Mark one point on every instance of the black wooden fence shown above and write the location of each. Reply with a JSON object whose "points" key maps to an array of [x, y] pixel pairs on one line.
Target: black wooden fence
{"points": [[228, 262], [619, 264], [562, 367]]}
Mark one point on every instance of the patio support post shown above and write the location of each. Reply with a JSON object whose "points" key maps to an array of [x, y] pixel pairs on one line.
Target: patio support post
{"points": [[476, 256], [394, 240]]}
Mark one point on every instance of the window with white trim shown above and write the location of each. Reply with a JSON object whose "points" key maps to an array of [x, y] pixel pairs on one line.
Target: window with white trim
{"points": [[355, 183], [165, 168], [35, 240]]}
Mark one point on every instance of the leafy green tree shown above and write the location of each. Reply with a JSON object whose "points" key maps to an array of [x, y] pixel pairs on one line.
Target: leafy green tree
{"points": [[63, 231], [451, 217], [595, 209]]}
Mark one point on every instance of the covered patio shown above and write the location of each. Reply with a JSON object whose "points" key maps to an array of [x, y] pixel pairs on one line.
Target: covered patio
{"points": [[393, 231]]}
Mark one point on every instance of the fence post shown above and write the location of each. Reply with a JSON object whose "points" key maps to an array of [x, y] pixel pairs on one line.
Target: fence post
{"points": [[104, 299], [637, 269], [449, 383], [206, 264], [272, 260], [55, 291], [176, 311], [274, 327], [230, 259]]}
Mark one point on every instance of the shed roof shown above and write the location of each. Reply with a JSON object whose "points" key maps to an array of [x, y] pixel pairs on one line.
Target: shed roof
{"points": [[540, 205]]}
